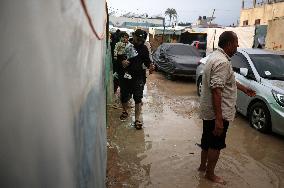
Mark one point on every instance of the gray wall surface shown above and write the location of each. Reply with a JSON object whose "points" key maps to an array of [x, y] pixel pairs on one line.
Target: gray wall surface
{"points": [[52, 94]]}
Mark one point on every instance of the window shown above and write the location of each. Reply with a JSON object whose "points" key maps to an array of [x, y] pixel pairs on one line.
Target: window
{"points": [[239, 61], [257, 22], [245, 23], [270, 66]]}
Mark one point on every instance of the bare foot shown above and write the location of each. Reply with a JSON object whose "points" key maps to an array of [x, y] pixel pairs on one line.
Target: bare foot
{"points": [[216, 179]]}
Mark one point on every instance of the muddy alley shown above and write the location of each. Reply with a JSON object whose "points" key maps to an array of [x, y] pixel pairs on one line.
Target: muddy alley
{"points": [[165, 153]]}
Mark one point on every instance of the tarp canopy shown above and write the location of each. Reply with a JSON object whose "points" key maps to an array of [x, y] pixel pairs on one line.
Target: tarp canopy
{"points": [[168, 30], [245, 36], [196, 30], [127, 30], [177, 59]]}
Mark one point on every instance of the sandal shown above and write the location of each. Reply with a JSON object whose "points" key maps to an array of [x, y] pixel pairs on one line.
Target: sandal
{"points": [[138, 125], [123, 116]]}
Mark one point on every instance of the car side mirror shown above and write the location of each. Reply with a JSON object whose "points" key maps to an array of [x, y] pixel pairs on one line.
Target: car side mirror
{"points": [[244, 72]]}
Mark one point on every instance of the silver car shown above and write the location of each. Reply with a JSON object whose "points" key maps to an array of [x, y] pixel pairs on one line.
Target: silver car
{"points": [[262, 71]]}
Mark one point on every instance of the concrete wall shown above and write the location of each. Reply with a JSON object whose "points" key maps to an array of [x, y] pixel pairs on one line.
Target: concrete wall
{"points": [[264, 13], [52, 94], [275, 33]]}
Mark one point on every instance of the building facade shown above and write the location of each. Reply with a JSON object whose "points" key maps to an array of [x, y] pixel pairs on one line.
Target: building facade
{"points": [[260, 13], [275, 33]]}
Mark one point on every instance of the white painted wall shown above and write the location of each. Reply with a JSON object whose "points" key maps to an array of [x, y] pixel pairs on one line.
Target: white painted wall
{"points": [[52, 95]]}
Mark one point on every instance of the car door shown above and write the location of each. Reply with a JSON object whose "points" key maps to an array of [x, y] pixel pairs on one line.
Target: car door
{"points": [[240, 61]]}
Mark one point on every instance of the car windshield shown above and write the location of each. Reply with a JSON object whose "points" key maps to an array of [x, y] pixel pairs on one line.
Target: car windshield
{"points": [[183, 50], [270, 66]]}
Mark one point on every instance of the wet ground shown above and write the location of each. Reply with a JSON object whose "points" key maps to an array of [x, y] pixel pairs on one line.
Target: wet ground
{"points": [[165, 153]]}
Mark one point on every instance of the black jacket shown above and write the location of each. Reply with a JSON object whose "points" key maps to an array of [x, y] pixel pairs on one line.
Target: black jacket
{"points": [[135, 68]]}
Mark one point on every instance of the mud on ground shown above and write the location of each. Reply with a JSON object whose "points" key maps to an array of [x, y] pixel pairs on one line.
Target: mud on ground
{"points": [[165, 153]]}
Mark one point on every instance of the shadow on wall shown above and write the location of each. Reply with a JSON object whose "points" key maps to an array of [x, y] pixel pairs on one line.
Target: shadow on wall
{"points": [[52, 95], [90, 134]]}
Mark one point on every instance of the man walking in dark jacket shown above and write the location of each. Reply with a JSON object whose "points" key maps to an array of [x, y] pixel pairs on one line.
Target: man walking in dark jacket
{"points": [[135, 84]]}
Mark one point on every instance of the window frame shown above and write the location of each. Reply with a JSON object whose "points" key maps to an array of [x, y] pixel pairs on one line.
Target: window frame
{"points": [[245, 61], [257, 21], [245, 23]]}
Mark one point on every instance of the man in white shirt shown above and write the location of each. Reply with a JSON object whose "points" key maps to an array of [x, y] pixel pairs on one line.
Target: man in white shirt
{"points": [[217, 102]]}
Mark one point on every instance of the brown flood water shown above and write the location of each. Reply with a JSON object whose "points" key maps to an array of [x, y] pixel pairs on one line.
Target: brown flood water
{"points": [[164, 154]]}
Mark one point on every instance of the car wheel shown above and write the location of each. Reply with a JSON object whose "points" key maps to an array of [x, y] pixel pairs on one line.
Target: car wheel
{"points": [[199, 86], [259, 117]]}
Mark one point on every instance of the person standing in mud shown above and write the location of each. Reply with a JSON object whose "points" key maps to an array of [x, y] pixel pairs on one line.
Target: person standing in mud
{"points": [[217, 102], [134, 84]]}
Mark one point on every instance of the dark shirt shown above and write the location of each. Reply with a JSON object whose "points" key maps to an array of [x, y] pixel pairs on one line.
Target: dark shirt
{"points": [[135, 68], [119, 67]]}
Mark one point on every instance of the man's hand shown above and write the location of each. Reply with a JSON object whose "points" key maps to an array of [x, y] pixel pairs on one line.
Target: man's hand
{"points": [[125, 63], [219, 128], [151, 68], [248, 91]]}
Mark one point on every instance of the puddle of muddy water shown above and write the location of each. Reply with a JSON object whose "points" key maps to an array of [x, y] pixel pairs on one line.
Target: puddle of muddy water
{"points": [[164, 154]]}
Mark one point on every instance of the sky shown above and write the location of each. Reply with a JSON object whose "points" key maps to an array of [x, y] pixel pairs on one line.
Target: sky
{"points": [[227, 11]]}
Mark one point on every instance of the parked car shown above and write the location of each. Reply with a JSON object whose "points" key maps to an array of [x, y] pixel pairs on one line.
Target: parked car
{"points": [[262, 71], [176, 59], [199, 72], [201, 47]]}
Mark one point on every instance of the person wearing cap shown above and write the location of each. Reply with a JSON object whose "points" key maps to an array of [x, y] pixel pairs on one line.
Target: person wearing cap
{"points": [[135, 85]]}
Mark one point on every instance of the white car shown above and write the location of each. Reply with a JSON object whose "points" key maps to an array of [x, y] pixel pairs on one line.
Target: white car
{"points": [[262, 71], [199, 72]]}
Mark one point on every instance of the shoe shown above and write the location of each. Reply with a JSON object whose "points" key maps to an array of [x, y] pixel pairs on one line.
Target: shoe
{"points": [[123, 116], [138, 125]]}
